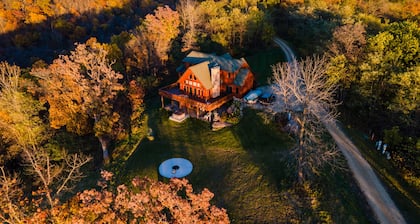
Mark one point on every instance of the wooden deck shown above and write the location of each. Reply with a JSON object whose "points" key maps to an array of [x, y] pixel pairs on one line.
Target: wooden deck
{"points": [[191, 102]]}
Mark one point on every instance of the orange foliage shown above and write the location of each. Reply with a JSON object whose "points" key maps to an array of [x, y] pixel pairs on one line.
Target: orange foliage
{"points": [[15, 13], [413, 7], [147, 201], [162, 28]]}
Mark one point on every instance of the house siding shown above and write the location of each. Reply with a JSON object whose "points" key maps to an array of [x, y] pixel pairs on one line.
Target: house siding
{"points": [[190, 85], [192, 94]]}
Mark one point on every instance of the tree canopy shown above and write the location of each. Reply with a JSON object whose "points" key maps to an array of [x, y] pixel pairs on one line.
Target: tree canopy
{"points": [[80, 89], [390, 72]]}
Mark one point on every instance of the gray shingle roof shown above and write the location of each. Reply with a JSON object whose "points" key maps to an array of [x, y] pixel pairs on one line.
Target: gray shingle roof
{"points": [[226, 62], [240, 77]]}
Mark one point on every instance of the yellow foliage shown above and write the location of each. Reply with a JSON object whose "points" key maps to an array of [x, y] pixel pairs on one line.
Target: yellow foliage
{"points": [[32, 18], [115, 3]]}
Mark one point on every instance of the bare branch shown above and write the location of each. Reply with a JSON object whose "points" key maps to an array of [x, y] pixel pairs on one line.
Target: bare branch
{"points": [[74, 163], [10, 211], [303, 88]]}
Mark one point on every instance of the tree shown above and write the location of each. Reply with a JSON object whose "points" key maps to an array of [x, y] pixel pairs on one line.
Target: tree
{"points": [[346, 50], [349, 40], [21, 125], [303, 88], [136, 95], [234, 23], [146, 201], [80, 89], [390, 71], [191, 21], [151, 41], [161, 29]]}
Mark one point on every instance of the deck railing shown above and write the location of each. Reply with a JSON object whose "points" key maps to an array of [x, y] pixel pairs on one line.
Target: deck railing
{"points": [[192, 101]]}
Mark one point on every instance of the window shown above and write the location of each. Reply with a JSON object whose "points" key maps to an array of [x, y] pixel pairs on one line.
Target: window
{"points": [[229, 89], [237, 90]]}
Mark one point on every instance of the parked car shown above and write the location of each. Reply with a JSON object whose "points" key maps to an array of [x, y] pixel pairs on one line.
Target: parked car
{"points": [[252, 96]]}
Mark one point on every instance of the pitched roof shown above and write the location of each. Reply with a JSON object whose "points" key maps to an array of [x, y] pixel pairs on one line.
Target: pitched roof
{"points": [[202, 72], [241, 76], [226, 62], [195, 57]]}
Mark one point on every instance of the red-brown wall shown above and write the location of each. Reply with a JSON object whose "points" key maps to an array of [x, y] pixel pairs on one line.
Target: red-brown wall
{"points": [[198, 91], [226, 79]]}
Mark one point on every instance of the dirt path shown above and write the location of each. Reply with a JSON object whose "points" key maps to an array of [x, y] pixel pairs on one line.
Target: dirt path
{"points": [[378, 198], [285, 48], [375, 193]]}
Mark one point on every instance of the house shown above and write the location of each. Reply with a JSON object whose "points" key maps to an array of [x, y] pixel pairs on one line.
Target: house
{"points": [[207, 81]]}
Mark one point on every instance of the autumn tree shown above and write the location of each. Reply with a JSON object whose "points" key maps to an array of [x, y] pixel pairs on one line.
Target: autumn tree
{"points": [[151, 41], [232, 23], [161, 28], [80, 89], [146, 201], [303, 88], [22, 127], [136, 96]]}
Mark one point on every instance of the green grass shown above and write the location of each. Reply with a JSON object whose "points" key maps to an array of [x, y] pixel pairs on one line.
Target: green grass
{"points": [[406, 197], [261, 62], [246, 167]]}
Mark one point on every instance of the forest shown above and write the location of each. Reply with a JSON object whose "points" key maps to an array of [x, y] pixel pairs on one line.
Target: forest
{"points": [[76, 78]]}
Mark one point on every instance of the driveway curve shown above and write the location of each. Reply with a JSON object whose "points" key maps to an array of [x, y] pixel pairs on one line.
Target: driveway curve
{"points": [[383, 207]]}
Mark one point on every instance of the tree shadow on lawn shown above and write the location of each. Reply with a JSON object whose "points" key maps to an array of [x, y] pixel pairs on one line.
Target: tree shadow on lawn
{"points": [[268, 150], [242, 180], [245, 166], [219, 164]]}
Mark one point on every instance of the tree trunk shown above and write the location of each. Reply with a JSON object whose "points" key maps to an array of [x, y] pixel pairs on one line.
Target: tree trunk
{"points": [[301, 176], [104, 144]]}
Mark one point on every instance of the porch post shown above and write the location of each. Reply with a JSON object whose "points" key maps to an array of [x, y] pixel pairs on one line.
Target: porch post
{"points": [[162, 101]]}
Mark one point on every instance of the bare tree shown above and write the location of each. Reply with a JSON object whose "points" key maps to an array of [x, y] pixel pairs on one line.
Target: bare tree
{"points": [[345, 50], [349, 40], [21, 125], [303, 89], [11, 192], [191, 19]]}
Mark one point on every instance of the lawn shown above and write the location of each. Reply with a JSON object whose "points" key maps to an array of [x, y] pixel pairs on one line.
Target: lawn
{"points": [[248, 168]]}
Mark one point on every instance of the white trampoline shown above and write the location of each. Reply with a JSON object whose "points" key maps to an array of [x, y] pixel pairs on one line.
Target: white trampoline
{"points": [[175, 168]]}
